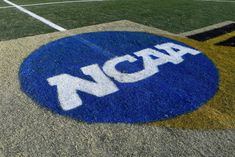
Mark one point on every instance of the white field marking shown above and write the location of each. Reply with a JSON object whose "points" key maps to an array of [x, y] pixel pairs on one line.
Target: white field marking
{"points": [[5, 7], [207, 28], [52, 3], [42, 19], [220, 1], [68, 85]]}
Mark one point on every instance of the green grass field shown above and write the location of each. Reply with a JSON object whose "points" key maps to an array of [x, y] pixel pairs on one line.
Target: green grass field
{"points": [[171, 15]]}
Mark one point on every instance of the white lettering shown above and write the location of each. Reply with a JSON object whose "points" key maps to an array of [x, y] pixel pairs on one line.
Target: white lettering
{"points": [[67, 86], [172, 48]]}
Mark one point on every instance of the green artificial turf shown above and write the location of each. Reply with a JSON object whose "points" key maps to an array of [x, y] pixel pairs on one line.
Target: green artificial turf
{"points": [[176, 16], [2, 4], [172, 15], [14, 24]]}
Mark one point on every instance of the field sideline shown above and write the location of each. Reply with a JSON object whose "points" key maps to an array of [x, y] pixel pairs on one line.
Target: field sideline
{"points": [[174, 16]]}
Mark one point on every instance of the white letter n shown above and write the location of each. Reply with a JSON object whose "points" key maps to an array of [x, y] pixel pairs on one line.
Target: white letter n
{"points": [[67, 86]]}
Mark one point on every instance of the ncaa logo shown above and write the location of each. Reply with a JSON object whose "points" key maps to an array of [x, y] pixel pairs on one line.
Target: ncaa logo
{"points": [[127, 77]]}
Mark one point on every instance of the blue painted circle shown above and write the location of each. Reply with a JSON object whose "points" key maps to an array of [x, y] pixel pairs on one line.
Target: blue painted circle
{"points": [[173, 91]]}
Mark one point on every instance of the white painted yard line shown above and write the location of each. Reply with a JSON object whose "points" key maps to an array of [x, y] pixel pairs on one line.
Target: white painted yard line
{"points": [[52, 3], [5, 7], [42, 19], [220, 1], [63, 2], [208, 28]]}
